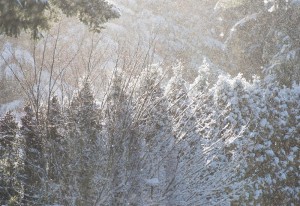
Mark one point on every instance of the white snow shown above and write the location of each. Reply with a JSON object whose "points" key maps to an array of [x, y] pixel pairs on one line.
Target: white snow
{"points": [[10, 106]]}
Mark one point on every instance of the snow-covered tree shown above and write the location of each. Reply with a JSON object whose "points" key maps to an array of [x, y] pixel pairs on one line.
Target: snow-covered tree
{"points": [[272, 155], [185, 140], [54, 149], [9, 161], [123, 143], [83, 130], [155, 130], [54, 138], [34, 162]]}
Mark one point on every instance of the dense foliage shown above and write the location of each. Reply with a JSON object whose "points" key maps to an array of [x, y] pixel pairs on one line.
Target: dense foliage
{"points": [[149, 143], [149, 134], [35, 16]]}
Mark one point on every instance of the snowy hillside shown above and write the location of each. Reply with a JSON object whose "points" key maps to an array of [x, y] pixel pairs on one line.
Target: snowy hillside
{"points": [[173, 103], [161, 34]]}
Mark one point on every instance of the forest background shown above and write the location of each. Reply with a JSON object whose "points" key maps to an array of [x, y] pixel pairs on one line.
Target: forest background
{"points": [[167, 103]]}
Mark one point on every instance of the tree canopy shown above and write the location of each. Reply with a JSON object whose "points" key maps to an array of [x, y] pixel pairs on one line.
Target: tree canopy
{"points": [[35, 16]]}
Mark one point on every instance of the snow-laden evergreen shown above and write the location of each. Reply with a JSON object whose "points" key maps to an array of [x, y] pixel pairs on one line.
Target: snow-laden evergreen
{"points": [[111, 120], [149, 142]]}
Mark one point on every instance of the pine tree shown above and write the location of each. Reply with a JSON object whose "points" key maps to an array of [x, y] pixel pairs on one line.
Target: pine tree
{"points": [[118, 121], [9, 160], [54, 138], [34, 163], [36, 16], [91, 12], [16, 16], [55, 151], [273, 157], [84, 117], [124, 140], [154, 127], [183, 128]]}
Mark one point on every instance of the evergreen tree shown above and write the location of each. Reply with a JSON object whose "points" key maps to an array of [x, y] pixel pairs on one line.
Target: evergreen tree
{"points": [[55, 153], [16, 16], [9, 186], [34, 163], [183, 128], [118, 122], [91, 12], [84, 117], [180, 104], [54, 138], [123, 144], [155, 128], [273, 156], [35, 16]]}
